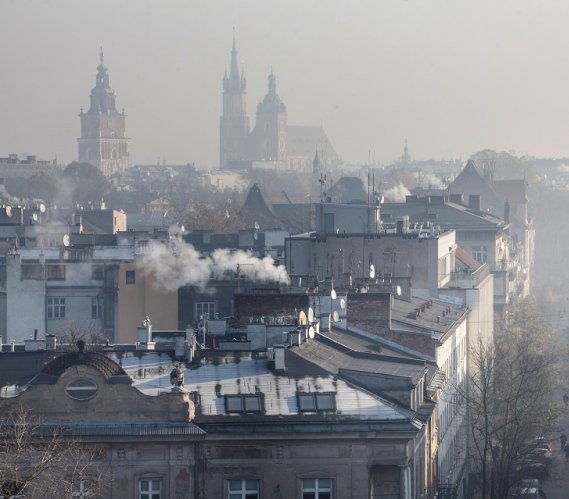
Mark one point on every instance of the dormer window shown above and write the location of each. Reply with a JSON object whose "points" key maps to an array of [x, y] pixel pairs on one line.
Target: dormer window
{"points": [[243, 403], [316, 402], [81, 389]]}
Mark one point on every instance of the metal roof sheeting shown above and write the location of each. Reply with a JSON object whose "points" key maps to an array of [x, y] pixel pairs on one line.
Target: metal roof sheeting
{"points": [[248, 376]]}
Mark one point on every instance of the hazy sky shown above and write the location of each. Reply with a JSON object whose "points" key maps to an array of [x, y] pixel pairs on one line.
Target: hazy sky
{"points": [[451, 76]]}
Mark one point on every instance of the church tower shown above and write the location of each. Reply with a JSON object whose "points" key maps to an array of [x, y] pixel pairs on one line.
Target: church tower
{"points": [[102, 142], [269, 139], [234, 123]]}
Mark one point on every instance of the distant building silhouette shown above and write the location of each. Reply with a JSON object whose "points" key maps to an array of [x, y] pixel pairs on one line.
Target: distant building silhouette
{"points": [[234, 123], [103, 142], [272, 144]]}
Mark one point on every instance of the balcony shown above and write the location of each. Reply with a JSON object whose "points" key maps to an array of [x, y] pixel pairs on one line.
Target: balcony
{"points": [[468, 278]]}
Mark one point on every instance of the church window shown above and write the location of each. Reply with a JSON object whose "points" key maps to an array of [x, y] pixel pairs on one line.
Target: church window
{"points": [[114, 154]]}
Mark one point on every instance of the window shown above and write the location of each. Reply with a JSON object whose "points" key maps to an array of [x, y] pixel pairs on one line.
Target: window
{"points": [[244, 489], [56, 308], [81, 389], [150, 488], [97, 272], [130, 277], [205, 309], [80, 490], [317, 488], [96, 307], [55, 272], [243, 403], [311, 402], [32, 271], [480, 253]]}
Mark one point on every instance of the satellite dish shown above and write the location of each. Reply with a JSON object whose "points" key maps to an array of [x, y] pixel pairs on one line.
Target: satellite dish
{"points": [[66, 240], [310, 315], [398, 290], [42, 208], [8, 211], [333, 294], [255, 236], [311, 332], [371, 271], [342, 304], [302, 320], [256, 225], [35, 217], [336, 316]]}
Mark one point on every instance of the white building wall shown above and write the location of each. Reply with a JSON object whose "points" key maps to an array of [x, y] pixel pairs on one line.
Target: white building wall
{"points": [[25, 303], [451, 357]]}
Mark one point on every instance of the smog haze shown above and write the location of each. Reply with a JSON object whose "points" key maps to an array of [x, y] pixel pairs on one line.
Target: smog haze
{"points": [[450, 77]]}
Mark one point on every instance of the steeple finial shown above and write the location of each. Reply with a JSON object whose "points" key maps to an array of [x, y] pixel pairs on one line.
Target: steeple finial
{"points": [[234, 68], [101, 55]]}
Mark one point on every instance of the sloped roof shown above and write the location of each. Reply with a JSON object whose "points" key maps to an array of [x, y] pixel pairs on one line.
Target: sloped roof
{"points": [[513, 191], [446, 214], [466, 259], [304, 141], [348, 190], [256, 208], [279, 391]]}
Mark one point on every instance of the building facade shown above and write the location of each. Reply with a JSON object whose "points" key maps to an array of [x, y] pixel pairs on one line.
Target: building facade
{"points": [[103, 142]]}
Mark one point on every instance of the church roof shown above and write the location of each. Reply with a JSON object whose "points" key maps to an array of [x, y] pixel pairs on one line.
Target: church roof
{"points": [[102, 95], [304, 141]]}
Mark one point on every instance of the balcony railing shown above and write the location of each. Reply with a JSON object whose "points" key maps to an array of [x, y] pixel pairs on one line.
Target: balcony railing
{"points": [[468, 278]]}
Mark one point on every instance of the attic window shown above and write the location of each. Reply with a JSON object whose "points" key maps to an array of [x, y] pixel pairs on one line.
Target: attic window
{"points": [[243, 403], [81, 389], [316, 402]]}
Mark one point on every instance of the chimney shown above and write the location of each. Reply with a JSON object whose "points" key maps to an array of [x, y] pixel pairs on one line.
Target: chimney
{"points": [[280, 358], [51, 342], [179, 346]]}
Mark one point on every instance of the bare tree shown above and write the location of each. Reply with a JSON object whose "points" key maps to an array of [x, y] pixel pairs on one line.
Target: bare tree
{"points": [[510, 397], [42, 460], [88, 334]]}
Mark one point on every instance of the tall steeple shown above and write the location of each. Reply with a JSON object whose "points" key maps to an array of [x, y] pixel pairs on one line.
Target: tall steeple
{"points": [[236, 81], [103, 142], [234, 123], [269, 138]]}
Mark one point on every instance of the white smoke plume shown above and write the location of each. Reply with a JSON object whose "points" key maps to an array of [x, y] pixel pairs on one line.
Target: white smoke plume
{"points": [[432, 181], [397, 194], [180, 264]]}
